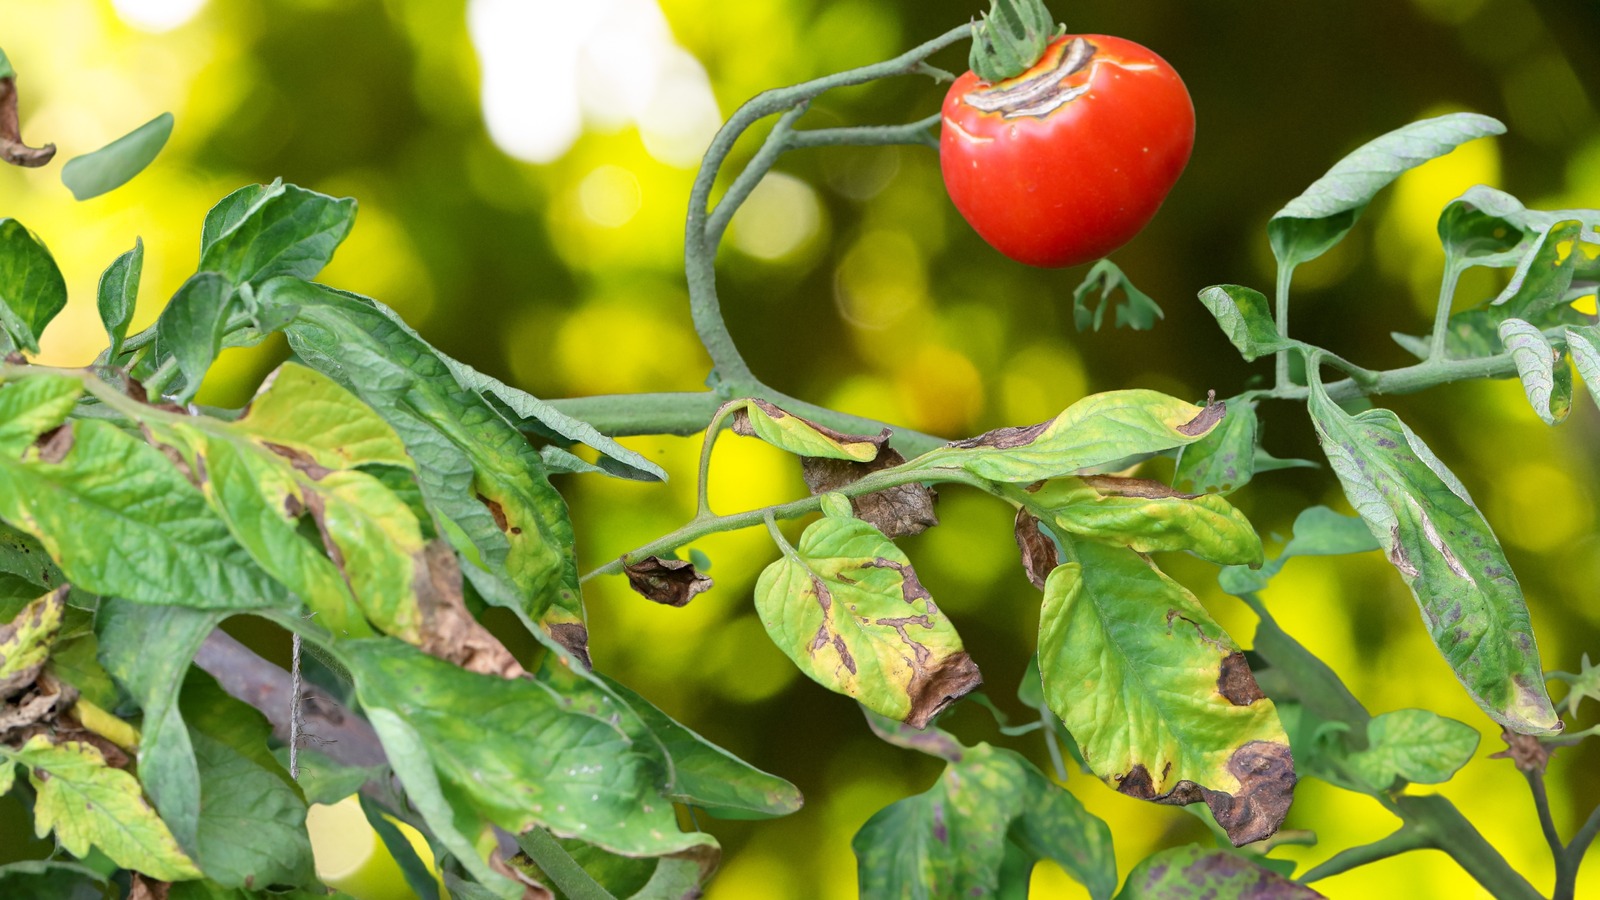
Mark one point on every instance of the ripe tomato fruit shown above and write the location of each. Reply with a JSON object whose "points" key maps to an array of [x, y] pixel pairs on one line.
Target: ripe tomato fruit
{"points": [[1067, 161]]}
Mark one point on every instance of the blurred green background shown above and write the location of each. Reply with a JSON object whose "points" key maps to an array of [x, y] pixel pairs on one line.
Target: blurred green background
{"points": [[523, 169]]}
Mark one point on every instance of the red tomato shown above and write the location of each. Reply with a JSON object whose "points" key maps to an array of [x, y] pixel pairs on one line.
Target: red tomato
{"points": [[1069, 160]]}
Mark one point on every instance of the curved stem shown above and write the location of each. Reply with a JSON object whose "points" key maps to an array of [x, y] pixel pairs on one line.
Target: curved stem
{"points": [[1408, 838], [1441, 316], [1285, 276], [756, 169], [702, 504]]}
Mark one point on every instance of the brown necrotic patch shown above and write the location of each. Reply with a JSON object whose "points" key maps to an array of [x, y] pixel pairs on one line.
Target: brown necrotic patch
{"points": [[938, 684], [1265, 771], [1044, 91], [1208, 418], [1039, 557], [1004, 438], [1236, 683]]}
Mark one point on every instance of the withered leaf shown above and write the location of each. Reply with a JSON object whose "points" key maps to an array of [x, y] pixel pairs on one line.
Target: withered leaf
{"points": [[804, 437], [1039, 557], [449, 632], [673, 582], [12, 149], [897, 511], [25, 641]]}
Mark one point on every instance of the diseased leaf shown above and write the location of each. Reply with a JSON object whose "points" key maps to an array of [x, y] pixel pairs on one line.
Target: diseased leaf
{"points": [[306, 410], [1583, 342], [1565, 250], [115, 164], [32, 290], [1446, 553], [1098, 430], [671, 582], [1040, 555], [1415, 744], [1145, 515], [1137, 312], [1546, 375], [190, 328], [708, 777], [1318, 531], [1224, 460], [96, 486], [1488, 227], [88, 803], [931, 740], [31, 406], [1245, 316], [803, 437], [897, 511], [1317, 219], [847, 607], [1161, 702], [118, 295], [1054, 825], [1193, 872], [260, 232], [26, 641]]}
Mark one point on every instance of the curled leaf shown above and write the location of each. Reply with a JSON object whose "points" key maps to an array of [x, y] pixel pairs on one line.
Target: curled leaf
{"points": [[1145, 515], [804, 437], [672, 582], [896, 511], [1245, 317], [1546, 375], [26, 640], [12, 149]]}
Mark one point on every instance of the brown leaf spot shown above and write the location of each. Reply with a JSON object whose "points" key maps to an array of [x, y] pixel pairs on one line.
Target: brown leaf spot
{"points": [[911, 589], [301, 460], [1133, 487], [1039, 557], [936, 686], [30, 618], [896, 511], [844, 653], [575, 637], [496, 510], [55, 444], [1236, 683], [1397, 554], [1526, 752], [449, 632], [1208, 418], [35, 710], [673, 582], [147, 888], [1265, 771], [1004, 438], [12, 149]]}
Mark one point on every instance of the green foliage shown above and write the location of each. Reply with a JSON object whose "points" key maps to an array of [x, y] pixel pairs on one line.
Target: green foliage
{"points": [[1137, 311], [115, 164], [32, 290]]}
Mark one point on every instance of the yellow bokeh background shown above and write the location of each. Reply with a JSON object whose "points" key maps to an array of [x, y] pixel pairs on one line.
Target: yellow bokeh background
{"points": [[552, 258]]}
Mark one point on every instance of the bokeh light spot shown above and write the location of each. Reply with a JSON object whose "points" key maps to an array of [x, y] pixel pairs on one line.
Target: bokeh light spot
{"points": [[610, 196], [780, 217], [157, 15], [880, 280]]}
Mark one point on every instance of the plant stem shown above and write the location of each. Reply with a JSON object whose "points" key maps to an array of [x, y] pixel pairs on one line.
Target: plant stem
{"points": [[622, 415], [1449, 831], [563, 871], [1285, 275], [1441, 316], [702, 504], [1046, 719], [1408, 838]]}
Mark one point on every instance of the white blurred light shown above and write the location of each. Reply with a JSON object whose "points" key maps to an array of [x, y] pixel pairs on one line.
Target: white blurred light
{"points": [[550, 65], [610, 196], [778, 218], [157, 15]]}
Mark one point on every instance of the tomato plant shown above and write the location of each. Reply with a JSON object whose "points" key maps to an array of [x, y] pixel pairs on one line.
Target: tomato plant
{"points": [[1068, 160]]}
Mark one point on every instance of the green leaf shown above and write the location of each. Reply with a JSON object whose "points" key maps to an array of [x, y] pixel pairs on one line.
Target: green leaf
{"points": [[252, 825], [1096, 431], [89, 803], [477, 472], [6, 71], [1054, 825], [261, 232], [32, 290], [1321, 216], [847, 607], [119, 295], [1585, 683], [803, 437], [190, 328], [111, 490], [1446, 553], [1224, 460], [55, 879], [520, 752], [1161, 702], [1318, 531], [115, 164], [167, 765], [421, 881], [1546, 375], [573, 868], [708, 777], [1145, 515], [1583, 342], [1488, 227], [1139, 312], [1245, 316], [26, 641], [1415, 744], [1193, 872], [305, 410], [325, 780], [31, 406], [1567, 249]]}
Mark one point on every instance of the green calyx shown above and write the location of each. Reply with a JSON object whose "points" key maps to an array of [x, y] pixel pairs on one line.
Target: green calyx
{"points": [[1011, 38]]}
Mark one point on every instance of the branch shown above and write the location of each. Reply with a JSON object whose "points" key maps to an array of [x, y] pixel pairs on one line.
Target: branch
{"points": [[1447, 830], [1408, 838]]}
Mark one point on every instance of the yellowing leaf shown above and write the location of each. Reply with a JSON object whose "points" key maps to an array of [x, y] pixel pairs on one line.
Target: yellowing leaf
{"points": [[1145, 515], [804, 437], [26, 640]]}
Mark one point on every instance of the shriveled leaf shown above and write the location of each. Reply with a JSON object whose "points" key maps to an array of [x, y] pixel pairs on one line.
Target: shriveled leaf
{"points": [[1145, 515], [26, 641], [1317, 219], [1193, 872], [804, 437], [847, 607], [1161, 702], [1137, 311], [108, 489], [1420, 746], [1546, 375], [1318, 531], [672, 582], [1583, 342], [31, 406], [1040, 555], [32, 290], [1565, 250], [1097, 430], [118, 295], [260, 232], [1224, 460], [478, 474], [520, 752], [88, 803], [1245, 316], [190, 328], [897, 511], [708, 777], [1447, 554], [115, 164]]}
